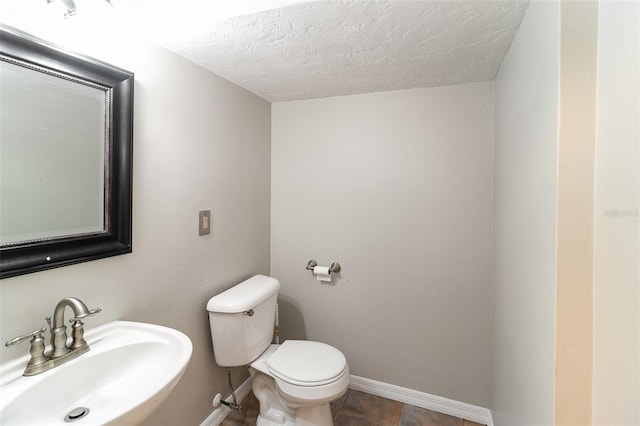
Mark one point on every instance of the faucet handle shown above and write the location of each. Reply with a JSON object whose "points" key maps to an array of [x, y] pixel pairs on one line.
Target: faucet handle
{"points": [[38, 361], [88, 314], [33, 335], [77, 332]]}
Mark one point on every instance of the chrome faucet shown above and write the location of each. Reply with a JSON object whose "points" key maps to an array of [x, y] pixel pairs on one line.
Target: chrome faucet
{"points": [[60, 351]]}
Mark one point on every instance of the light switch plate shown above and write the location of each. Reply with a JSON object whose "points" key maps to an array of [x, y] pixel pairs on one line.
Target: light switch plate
{"points": [[204, 222]]}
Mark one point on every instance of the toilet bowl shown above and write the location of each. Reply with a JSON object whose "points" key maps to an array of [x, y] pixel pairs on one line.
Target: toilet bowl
{"points": [[306, 376], [295, 381]]}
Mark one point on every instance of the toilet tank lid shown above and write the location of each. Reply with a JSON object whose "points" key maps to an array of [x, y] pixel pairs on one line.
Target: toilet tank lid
{"points": [[244, 296]]}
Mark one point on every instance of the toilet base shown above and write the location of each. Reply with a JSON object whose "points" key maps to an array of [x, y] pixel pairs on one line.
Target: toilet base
{"points": [[310, 416], [261, 421], [314, 416], [275, 412]]}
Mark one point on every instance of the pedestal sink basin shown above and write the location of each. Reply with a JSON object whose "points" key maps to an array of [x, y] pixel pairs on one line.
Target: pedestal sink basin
{"points": [[129, 370]]}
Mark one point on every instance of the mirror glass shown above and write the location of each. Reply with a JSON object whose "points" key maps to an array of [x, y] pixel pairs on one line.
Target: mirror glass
{"points": [[66, 145], [52, 141]]}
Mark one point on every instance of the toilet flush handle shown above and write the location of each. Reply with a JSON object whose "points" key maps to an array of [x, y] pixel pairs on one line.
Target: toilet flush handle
{"points": [[249, 312]]}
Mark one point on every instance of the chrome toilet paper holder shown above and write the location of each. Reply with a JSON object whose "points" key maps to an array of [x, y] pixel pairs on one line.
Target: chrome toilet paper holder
{"points": [[335, 266]]}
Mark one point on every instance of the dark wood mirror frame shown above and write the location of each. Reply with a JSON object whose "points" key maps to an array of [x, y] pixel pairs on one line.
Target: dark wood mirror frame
{"points": [[30, 257]]}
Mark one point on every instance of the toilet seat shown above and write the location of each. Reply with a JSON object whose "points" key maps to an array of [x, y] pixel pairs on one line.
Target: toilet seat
{"points": [[318, 373], [306, 363]]}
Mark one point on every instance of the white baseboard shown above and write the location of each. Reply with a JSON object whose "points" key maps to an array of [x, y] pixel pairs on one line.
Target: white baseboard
{"points": [[424, 400], [220, 413], [407, 396]]}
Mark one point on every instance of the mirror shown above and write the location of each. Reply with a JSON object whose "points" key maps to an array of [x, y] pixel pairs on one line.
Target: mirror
{"points": [[66, 131]]}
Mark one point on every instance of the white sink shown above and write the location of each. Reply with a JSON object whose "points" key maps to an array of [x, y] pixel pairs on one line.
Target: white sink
{"points": [[129, 370]]}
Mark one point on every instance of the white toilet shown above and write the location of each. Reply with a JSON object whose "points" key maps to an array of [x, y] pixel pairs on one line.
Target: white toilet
{"points": [[294, 381]]}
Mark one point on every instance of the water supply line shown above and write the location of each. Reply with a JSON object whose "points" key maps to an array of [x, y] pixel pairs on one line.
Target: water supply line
{"points": [[217, 400], [277, 326], [234, 405]]}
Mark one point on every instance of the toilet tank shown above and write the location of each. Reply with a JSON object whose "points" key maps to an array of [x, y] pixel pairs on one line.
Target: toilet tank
{"points": [[242, 320]]}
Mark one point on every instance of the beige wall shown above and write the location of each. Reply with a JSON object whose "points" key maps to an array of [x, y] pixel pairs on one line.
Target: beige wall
{"points": [[200, 143], [525, 179], [396, 187], [616, 393], [576, 151], [597, 305]]}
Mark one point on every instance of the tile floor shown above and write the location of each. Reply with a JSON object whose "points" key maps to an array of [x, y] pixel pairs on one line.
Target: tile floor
{"points": [[360, 409]]}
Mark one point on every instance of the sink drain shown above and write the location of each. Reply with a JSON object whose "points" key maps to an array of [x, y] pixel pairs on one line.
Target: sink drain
{"points": [[76, 414]]}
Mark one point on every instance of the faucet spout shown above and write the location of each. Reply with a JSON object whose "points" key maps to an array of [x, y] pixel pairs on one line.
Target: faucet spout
{"points": [[59, 346], [77, 306]]}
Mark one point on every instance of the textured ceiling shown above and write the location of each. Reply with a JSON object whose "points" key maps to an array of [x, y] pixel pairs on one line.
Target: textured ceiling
{"points": [[330, 48], [298, 49]]}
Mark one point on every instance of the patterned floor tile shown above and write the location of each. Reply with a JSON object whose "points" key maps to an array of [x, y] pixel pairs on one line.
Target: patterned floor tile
{"points": [[416, 416], [363, 409], [359, 409]]}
